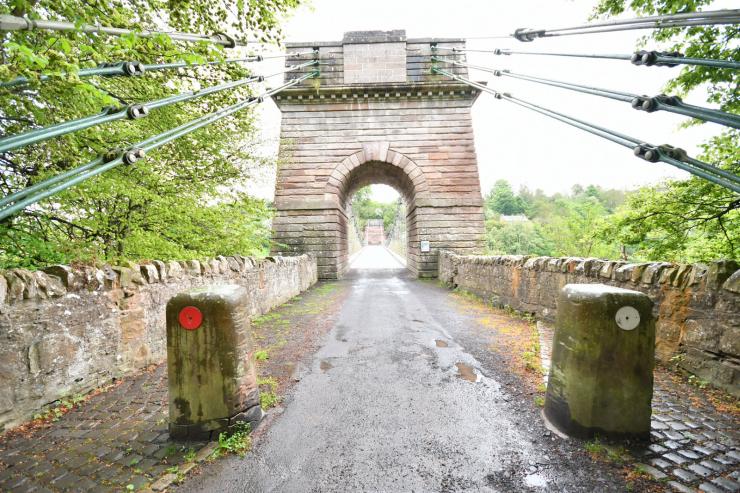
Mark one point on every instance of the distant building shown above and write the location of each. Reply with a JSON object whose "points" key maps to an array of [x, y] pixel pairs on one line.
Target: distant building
{"points": [[374, 234], [516, 218]]}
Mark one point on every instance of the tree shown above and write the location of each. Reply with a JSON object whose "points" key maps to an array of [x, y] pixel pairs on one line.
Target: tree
{"points": [[572, 227], [561, 225], [364, 208], [685, 221], [688, 220], [180, 201], [501, 199], [523, 238]]}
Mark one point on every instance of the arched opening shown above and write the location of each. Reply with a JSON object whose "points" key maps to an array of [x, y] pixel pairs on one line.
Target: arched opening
{"points": [[313, 206], [376, 235], [382, 241]]}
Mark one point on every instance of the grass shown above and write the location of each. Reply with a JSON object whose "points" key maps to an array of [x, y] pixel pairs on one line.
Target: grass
{"points": [[236, 441], [325, 288], [190, 455], [539, 401], [267, 317], [180, 476], [605, 452], [268, 398], [63, 407], [261, 355]]}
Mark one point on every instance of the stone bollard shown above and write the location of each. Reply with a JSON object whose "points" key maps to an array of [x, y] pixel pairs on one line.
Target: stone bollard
{"points": [[601, 377], [210, 363]]}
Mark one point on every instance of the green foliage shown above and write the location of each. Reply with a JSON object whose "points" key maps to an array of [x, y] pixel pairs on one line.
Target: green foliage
{"points": [[261, 355], [557, 225], [364, 208], [687, 220], [684, 220], [61, 408], [698, 382], [190, 455], [603, 451], [183, 201], [237, 441], [516, 239], [681, 221], [501, 199], [268, 392]]}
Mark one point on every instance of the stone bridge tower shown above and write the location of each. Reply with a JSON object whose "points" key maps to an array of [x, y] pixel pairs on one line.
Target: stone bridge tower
{"points": [[377, 115]]}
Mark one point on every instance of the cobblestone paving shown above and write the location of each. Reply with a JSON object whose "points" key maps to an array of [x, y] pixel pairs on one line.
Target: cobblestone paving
{"points": [[116, 439], [693, 446]]}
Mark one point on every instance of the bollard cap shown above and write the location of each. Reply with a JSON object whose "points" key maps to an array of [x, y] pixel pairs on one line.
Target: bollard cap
{"points": [[585, 292]]}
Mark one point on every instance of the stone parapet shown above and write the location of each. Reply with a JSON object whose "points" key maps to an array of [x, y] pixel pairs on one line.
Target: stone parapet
{"points": [[696, 306], [67, 330]]}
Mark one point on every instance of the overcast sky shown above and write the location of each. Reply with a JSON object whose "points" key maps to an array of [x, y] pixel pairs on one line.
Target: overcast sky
{"points": [[514, 143]]}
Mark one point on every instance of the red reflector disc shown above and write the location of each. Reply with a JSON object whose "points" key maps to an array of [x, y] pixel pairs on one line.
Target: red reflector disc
{"points": [[190, 318]]}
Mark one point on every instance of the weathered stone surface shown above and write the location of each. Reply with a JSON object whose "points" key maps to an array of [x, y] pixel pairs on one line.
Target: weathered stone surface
{"points": [[733, 283], [211, 369], [192, 267], [3, 291], [377, 115], [65, 274], [150, 273], [58, 341], [601, 375], [174, 270], [696, 306]]}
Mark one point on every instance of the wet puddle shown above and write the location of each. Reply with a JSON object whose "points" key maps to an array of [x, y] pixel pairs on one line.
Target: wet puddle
{"points": [[325, 365], [466, 372], [440, 343]]}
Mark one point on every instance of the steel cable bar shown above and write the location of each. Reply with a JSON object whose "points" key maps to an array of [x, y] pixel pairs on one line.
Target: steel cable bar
{"points": [[685, 19], [17, 195], [13, 23], [529, 33], [669, 155], [620, 137], [63, 181], [647, 152], [671, 104], [710, 14], [131, 112], [621, 96], [136, 68], [646, 58]]}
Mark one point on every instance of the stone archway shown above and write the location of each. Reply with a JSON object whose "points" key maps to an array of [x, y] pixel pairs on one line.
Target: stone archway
{"points": [[377, 115], [378, 163], [400, 172]]}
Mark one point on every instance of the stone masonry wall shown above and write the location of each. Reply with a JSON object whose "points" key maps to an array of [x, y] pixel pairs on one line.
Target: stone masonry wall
{"points": [[66, 330], [697, 307], [377, 114]]}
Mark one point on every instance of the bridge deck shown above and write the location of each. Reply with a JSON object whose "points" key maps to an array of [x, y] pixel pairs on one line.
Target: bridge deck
{"points": [[412, 388], [415, 389]]}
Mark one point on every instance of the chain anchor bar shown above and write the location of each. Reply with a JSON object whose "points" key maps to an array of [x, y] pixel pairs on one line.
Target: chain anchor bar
{"points": [[16, 202], [132, 112], [640, 148]]}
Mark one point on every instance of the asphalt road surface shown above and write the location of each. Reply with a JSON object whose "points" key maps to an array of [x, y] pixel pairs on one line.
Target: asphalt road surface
{"points": [[403, 397]]}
